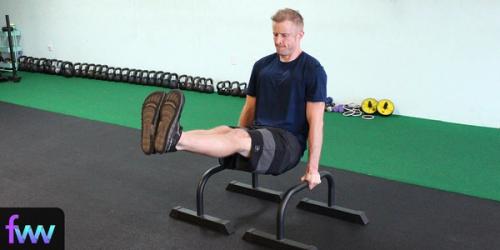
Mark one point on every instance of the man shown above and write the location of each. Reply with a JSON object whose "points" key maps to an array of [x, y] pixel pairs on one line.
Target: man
{"points": [[283, 111]]}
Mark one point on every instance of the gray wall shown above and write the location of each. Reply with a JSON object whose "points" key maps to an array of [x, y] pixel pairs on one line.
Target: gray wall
{"points": [[436, 59]]}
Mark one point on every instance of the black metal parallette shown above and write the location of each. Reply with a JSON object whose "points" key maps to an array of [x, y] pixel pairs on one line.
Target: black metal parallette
{"points": [[338, 212], [279, 241], [267, 239], [199, 217], [254, 190], [207, 221]]}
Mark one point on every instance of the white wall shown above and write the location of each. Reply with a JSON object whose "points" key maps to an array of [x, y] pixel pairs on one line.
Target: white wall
{"points": [[436, 59]]}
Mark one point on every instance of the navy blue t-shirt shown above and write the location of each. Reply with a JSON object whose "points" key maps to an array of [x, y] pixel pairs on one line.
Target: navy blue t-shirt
{"points": [[282, 90]]}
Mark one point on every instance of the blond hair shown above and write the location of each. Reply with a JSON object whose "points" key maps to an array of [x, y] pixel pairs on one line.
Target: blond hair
{"points": [[288, 15]]}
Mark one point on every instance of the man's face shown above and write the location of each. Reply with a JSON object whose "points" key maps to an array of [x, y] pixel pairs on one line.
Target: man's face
{"points": [[287, 37]]}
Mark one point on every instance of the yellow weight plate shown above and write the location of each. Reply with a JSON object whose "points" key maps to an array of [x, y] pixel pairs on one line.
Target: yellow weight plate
{"points": [[385, 107], [369, 106]]}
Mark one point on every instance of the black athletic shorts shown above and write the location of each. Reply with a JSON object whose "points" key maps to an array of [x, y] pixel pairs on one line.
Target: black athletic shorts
{"points": [[274, 151]]}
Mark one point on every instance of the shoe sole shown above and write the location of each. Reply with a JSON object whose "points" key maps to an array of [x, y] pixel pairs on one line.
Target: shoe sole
{"points": [[165, 127], [150, 111]]}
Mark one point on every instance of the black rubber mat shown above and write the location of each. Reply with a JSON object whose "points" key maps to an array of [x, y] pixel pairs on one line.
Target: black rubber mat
{"points": [[114, 197]]}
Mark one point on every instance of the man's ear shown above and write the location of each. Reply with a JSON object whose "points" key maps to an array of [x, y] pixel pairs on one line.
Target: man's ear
{"points": [[301, 34]]}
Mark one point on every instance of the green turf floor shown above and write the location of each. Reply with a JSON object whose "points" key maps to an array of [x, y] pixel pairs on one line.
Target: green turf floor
{"points": [[451, 157]]}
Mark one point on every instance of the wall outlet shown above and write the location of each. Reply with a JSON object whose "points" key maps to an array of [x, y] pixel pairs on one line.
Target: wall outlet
{"points": [[50, 47]]}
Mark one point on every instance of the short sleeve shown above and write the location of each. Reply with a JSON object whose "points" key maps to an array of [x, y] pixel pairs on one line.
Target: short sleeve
{"points": [[316, 85], [252, 84]]}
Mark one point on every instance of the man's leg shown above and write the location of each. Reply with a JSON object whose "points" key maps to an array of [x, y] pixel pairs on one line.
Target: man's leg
{"points": [[164, 120], [218, 142], [216, 130]]}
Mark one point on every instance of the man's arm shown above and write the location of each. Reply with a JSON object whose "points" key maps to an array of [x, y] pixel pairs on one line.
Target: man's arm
{"points": [[314, 114], [247, 113]]}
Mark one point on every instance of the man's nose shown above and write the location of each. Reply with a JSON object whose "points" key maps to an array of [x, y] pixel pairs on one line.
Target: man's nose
{"points": [[278, 40]]}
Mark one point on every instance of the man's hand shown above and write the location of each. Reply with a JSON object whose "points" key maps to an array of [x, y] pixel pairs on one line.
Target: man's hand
{"points": [[312, 177]]}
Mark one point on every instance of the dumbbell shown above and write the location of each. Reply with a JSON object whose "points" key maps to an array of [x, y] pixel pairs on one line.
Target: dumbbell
{"points": [[339, 108]]}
